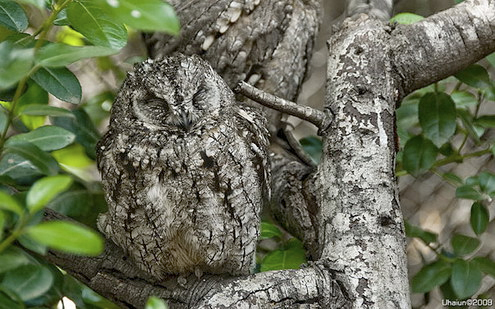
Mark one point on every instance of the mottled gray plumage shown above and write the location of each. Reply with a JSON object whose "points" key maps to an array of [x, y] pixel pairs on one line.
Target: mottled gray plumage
{"points": [[184, 170], [267, 43]]}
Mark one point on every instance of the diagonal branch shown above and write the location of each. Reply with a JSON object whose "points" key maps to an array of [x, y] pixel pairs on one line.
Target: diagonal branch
{"points": [[443, 44], [307, 113]]}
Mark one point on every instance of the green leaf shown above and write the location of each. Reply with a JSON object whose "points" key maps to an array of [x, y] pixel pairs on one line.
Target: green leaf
{"points": [[73, 203], [45, 189], [475, 76], [468, 192], [40, 159], [34, 96], [47, 138], [313, 146], [9, 203], [467, 121], [32, 245], [466, 278], [96, 25], [19, 169], [93, 299], [437, 117], [44, 110], [12, 16], [15, 63], [147, 15], [447, 150], [487, 121], [3, 118], [453, 178], [485, 265], [62, 19], [60, 55], [463, 244], [414, 231], [486, 182], [28, 281], [407, 117], [86, 133], [60, 82], [289, 258], [74, 156], [67, 237], [406, 18], [38, 3], [479, 218], [419, 155], [491, 59], [11, 258], [464, 98], [155, 303], [3, 221], [8, 300], [84, 297], [458, 1], [269, 230], [430, 276], [80, 204]]}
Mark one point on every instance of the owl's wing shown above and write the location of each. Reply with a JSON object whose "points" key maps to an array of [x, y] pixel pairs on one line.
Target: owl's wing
{"points": [[256, 135], [107, 165]]}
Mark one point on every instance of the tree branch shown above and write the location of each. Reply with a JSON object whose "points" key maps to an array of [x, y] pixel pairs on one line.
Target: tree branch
{"points": [[307, 113], [294, 200], [112, 275], [443, 44]]}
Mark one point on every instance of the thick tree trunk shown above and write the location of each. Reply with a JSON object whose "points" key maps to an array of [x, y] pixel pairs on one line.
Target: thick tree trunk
{"points": [[358, 241], [361, 230]]}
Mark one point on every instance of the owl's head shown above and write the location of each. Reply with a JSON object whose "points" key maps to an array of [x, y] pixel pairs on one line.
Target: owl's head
{"points": [[178, 92]]}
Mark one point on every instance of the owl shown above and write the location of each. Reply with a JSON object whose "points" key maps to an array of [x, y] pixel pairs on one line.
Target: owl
{"points": [[267, 43], [185, 171]]}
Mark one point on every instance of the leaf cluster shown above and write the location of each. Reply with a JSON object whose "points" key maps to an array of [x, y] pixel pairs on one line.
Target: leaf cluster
{"points": [[434, 126], [48, 136], [277, 250]]}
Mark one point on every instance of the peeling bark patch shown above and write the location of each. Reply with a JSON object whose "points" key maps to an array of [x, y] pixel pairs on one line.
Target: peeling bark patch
{"points": [[362, 286], [207, 161], [361, 90], [359, 50], [386, 221], [388, 119]]}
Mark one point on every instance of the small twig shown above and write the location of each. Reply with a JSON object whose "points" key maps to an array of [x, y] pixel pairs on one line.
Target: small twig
{"points": [[297, 148], [307, 113]]}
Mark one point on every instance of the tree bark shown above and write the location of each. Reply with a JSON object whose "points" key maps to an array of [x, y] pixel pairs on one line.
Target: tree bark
{"points": [[443, 44], [352, 214], [361, 231]]}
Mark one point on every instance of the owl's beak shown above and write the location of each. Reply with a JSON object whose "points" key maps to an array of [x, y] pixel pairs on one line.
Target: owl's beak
{"points": [[185, 120]]}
